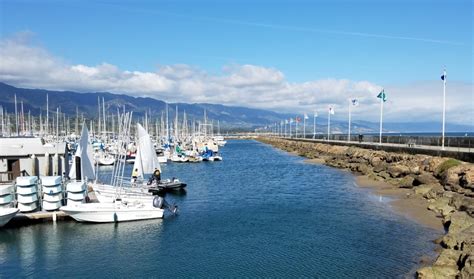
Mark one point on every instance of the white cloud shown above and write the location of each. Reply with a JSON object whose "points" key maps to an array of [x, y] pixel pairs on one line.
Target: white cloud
{"points": [[26, 65]]}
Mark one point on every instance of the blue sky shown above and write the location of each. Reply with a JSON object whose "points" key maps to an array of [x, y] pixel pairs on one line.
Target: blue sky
{"points": [[387, 44], [143, 34]]}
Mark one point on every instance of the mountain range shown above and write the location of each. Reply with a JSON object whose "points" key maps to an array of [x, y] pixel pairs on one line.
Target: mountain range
{"points": [[231, 118]]}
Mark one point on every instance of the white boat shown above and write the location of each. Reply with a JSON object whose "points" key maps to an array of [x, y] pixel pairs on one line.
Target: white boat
{"points": [[51, 180], [26, 190], [77, 196], [215, 158], [53, 197], [6, 199], [179, 159], [6, 195], [6, 214], [111, 196], [7, 205], [146, 162], [6, 189], [51, 205], [26, 180], [27, 207], [27, 198], [120, 211], [112, 212], [105, 159], [73, 202], [51, 190], [76, 186]]}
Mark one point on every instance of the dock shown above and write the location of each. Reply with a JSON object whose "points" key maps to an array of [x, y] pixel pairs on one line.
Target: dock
{"points": [[24, 219]]}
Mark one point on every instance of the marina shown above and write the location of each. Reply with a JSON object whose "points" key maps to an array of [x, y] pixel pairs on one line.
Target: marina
{"points": [[246, 227], [236, 139]]}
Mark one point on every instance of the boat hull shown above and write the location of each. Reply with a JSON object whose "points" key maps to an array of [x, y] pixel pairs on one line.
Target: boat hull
{"points": [[6, 199], [6, 189], [6, 214], [47, 205], [99, 213]]}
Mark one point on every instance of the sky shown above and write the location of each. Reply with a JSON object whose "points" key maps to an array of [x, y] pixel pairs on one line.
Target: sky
{"points": [[289, 56]]}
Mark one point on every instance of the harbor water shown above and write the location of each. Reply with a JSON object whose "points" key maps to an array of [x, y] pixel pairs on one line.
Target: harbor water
{"points": [[260, 212]]}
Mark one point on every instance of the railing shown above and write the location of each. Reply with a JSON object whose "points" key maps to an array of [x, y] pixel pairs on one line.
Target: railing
{"points": [[6, 176], [459, 143]]}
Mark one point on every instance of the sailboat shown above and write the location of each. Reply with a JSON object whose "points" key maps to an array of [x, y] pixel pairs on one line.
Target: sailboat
{"points": [[146, 162], [119, 210]]}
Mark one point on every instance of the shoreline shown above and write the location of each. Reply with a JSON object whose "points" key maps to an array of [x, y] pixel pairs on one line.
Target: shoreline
{"points": [[402, 203], [432, 191]]}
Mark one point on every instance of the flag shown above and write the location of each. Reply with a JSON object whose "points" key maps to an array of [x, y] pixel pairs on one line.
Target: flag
{"points": [[306, 116], [355, 102], [382, 95], [298, 119], [331, 110], [315, 114]]}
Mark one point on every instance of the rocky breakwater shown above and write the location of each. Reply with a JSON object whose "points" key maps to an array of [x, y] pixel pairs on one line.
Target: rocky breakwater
{"points": [[446, 184]]}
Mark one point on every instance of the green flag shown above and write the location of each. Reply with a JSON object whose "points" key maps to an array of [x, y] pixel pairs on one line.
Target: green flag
{"points": [[382, 95]]}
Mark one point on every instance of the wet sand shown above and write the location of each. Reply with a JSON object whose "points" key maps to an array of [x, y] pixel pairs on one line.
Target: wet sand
{"points": [[405, 203]]}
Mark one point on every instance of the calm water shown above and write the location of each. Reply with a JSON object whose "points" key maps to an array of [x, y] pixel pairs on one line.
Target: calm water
{"points": [[258, 213]]}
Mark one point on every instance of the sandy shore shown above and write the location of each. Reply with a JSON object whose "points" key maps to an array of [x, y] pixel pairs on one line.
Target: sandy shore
{"points": [[414, 208]]}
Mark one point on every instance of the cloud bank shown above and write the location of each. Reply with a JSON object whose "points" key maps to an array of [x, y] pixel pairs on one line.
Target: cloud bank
{"points": [[24, 64]]}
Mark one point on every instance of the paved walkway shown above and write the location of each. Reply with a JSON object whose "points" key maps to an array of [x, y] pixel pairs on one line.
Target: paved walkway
{"points": [[463, 154], [374, 145]]}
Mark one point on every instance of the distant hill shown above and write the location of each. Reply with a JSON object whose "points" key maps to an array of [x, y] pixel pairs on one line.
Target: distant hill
{"points": [[34, 100], [230, 117]]}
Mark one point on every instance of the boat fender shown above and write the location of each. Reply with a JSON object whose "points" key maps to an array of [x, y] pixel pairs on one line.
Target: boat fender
{"points": [[158, 202]]}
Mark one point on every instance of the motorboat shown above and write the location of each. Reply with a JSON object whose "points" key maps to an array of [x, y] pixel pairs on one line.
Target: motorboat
{"points": [[167, 185], [6, 214], [114, 212], [105, 159]]}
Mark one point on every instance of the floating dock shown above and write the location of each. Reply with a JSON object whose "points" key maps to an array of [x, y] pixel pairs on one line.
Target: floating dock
{"points": [[23, 219]]}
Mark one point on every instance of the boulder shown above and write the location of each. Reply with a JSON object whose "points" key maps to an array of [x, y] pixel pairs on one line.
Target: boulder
{"points": [[468, 270], [441, 206], [363, 168], [452, 176], [423, 189], [462, 203], [436, 191], [467, 177], [459, 221], [380, 167], [448, 257], [425, 178], [436, 272], [463, 240], [384, 175], [398, 170], [406, 182]]}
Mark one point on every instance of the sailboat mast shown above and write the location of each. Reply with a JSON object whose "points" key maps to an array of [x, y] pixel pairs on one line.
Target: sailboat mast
{"points": [[105, 120], [98, 121], [47, 114], [16, 118], [167, 124]]}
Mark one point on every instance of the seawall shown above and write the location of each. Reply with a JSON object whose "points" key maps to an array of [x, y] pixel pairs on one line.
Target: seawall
{"points": [[461, 153]]}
